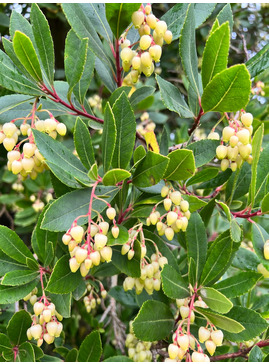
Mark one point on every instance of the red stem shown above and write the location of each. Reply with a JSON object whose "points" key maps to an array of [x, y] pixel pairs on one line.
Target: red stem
{"points": [[56, 98], [117, 58], [246, 216], [196, 121], [90, 213]]}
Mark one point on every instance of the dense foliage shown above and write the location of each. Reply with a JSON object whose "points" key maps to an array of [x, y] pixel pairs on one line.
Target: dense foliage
{"points": [[134, 186]]}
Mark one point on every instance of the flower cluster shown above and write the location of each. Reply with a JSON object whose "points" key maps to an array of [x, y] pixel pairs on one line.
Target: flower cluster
{"points": [[92, 298], [238, 138], [146, 124], [150, 278], [89, 247], [45, 325], [153, 32], [32, 296], [177, 215], [29, 161], [266, 250], [138, 351], [185, 345]]}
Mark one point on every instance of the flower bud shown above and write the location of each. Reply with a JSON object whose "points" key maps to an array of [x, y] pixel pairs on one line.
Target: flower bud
{"points": [[169, 233], [184, 311], [36, 331], [33, 299], [233, 141], [151, 21], [9, 129], [129, 282], [40, 126], [74, 265], [38, 308], [83, 270], [163, 261], [233, 166], [199, 357], [126, 43], [183, 341], [167, 203], [81, 255], [104, 226], [221, 152], [136, 63], [210, 347], [111, 213], [266, 250], [51, 328], [176, 197], [245, 150], [115, 231], [184, 206], [146, 59], [156, 284], [130, 254], [156, 52], [247, 119], [88, 263], [59, 329], [243, 136], [224, 165], [125, 248], [29, 334], [172, 351], [77, 233], [143, 251], [147, 9], [153, 218], [164, 191], [66, 238], [9, 144], [47, 315], [217, 337], [203, 334], [48, 338], [168, 36], [106, 253], [227, 133], [61, 129], [29, 150], [16, 167], [95, 258], [24, 128], [100, 241], [161, 28], [145, 42], [13, 155], [213, 136], [137, 18]]}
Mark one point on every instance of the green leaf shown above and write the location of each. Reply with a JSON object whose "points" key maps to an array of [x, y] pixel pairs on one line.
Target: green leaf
{"points": [[62, 280], [62, 303], [13, 246], [121, 239], [215, 55], [204, 151], [187, 50], [109, 137], [116, 94], [43, 40], [255, 354], [215, 300], [246, 260], [238, 187], [106, 74], [74, 61], [252, 321], [226, 14], [5, 345], [125, 298], [174, 286], [79, 16], [150, 170], [228, 91], [82, 86], [126, 127], [91, 348], [222, 322], [235, 230], [173, 99], [10, 294], [119, 16], [93, 172], [256, 145], [141, 94], [265, 204], [7, 264], [62, 212], [12, 79], [225, 208], [181, 165], [204, 175], [196, 242], [72, 355], [114, 176], [17, 327], [216, 261], [97, 14], [139, 153], [259, 237], [153, 322], [262, 175], [63, 163], [26, 54], [83, 144], [259, 62], [238, 285], [19, 277], [25, 353], [129, 267], [221, 178]]}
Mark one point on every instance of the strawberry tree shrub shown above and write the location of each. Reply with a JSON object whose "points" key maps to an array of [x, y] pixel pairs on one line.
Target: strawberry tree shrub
{"points": [[148, 242]]}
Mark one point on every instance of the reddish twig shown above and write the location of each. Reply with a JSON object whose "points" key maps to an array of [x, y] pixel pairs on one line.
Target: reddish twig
{"points": [[118, 68], [196, 121], [246, 216], [242, 353]]}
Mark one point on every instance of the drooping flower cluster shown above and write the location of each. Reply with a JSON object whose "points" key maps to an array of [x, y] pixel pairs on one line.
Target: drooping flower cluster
{"points": [[138, 351], [92, 299], [185, 345], [45, 325], [153, 32], [28, 161], [89, 247], [177, 215], [150, 278], [238, 138]]}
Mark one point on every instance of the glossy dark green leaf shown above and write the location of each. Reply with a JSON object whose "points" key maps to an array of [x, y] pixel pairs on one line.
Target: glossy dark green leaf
{"points": [[11, 294], [19, 277], [114, 176], [255, 354], [43, 40], [83, 144], [173, 285], [25, 353], [259, 62], [153, 322], [259, 237], [150, 170], [226, 14], [91, 348], [215, 300], [121, 239], [141, 94], [17, 327], [204, 151], [228, 90], [181, 165], [108, 137], [129, 267], [238, 188], [203, 176]]}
